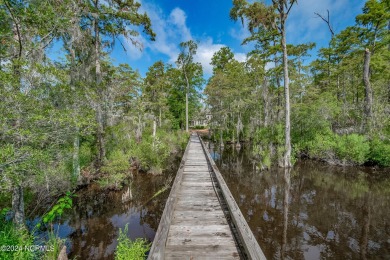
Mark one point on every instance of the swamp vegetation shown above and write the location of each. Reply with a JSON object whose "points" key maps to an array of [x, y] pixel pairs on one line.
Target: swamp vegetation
{"points": [[335, 108], [80, 132]]}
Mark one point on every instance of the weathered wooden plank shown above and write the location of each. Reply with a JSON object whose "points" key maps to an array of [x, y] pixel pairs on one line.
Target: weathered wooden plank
{"points": [[202, 252], [198, 192], [195, 205], [195, 173], [206, 210], [200, 179], [189, 256], [197, 214], [212, 220], [200, 229], [211, 206], [197, 169], [209, 190], [196, 183], [200, 239], [197, 200]]}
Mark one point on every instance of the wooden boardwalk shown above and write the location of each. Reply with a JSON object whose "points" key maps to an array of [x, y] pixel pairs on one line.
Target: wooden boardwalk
{"points": [[194, 224]]}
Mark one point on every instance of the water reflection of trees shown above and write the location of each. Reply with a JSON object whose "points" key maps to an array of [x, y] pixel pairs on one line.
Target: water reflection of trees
{"points": [[97, 216], [323, 212]]}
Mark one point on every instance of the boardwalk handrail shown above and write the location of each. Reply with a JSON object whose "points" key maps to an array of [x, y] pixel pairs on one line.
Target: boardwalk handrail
{"points": [[158, 247], [251, 247]]}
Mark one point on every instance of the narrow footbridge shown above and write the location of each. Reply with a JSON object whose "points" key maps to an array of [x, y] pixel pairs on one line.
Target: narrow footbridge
{"points": [[201, 220]]}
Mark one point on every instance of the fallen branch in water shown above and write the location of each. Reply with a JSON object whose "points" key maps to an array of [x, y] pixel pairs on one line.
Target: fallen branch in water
{"points": [[166, 186]]}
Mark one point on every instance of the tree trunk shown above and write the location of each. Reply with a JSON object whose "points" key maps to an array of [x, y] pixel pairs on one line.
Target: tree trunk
{"points": [[287, 155], [238, 131], [368, 90], [154, 127], [286, 199], [221, 138], [233, 129], [160, 118], [99, 112], [18, 205], [17, 193], [187, 89], [76, 155], [365, 228], [75, 108], [266, 103]]}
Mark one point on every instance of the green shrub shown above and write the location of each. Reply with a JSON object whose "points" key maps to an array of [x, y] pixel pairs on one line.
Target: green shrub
{"points": [[128, 249], [199, 127], [353, 148], [85, 154], [380, 152], [323, 146], [118, 162], [153, 154], [58, 209], [266, 158]]}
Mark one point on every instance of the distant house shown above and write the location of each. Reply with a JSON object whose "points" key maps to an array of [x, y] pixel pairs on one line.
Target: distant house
{"points": [[201, 119]]}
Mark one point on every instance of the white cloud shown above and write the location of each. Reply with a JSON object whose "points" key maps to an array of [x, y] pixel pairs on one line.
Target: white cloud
{"points": [[269, 65], [206, 50], [171, 30], [178, 18], [239, 56], [240, 34]]}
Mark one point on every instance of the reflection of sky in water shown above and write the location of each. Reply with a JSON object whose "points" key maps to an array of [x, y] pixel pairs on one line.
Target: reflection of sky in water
{"points": [[312, 252], [215, 155], [332, 213], [135, 228]]}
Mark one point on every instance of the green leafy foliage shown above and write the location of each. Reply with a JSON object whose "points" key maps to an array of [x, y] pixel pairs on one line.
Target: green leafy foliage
{"points": [[380, 152], [351, 148], [118, 162], [322, 146], [58, 209], [86, 154], [128, 249]]}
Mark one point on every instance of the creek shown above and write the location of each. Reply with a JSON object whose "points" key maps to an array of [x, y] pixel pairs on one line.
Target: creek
{"points": [[313, 211], [91, 227]]}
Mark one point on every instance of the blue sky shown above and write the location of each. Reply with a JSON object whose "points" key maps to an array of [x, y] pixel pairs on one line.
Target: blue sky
{"points": [[208, 22]]}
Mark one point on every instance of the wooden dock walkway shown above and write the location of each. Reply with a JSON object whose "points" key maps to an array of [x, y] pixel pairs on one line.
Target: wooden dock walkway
{"points": [[194, 224]]}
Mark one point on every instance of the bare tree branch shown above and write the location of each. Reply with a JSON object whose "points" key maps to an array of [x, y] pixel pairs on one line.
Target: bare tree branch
{"points": [[17, 28], [288, 10], [327, 21]]}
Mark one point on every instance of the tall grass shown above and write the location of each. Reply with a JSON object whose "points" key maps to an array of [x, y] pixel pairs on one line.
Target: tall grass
{"points": [[128, 249]]}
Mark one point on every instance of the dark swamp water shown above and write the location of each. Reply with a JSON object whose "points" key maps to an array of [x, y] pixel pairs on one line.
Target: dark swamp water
{"points": [[314, 211], [91, 227]]}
